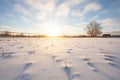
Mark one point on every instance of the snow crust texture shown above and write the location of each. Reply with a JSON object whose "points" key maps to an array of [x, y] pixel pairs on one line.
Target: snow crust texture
{"points": [[59, 58]]}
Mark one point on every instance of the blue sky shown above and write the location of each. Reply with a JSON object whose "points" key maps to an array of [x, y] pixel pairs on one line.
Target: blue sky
{"points": [[69, 16]]}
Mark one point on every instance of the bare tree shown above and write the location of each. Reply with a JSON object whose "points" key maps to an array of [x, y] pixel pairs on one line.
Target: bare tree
{"points": [[7, 33], [93, 29]]}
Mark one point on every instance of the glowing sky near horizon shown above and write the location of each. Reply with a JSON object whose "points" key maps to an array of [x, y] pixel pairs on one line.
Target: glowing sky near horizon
{"points": [[69, 16]]}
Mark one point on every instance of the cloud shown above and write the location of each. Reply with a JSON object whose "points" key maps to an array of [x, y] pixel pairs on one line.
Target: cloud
{"points": [[76, 2], [63, 10], [110, 22], [5, 27], [73, 2], [42, 9], [91, 7], [41, 5], [2, 18], [21, 9], [24, 19], [51, 6], [41, 16], [72, 29], [87, 8], [9, 15], [50, 12]]}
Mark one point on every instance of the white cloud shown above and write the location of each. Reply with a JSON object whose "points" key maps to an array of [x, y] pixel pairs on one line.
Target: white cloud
{"points": [[110, 22], [49, 6], [95, 17], [24, 19], [9, 15], [104, 11], [21, 9], [87, 8], [91, 7], [76, 2], [41, 16], [5, 27], [63, 10], [72, 29], [65, 7], [43, 8], [73, 2], [41, 5], [2, 18]]}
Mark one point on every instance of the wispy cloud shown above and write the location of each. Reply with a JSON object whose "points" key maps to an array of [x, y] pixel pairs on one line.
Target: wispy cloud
{"points": [[110, 22], [41, 16], [63, 10], [5, 27], [24, 19], [70, 15], [73, 2], [87, 8], [41, 5], [21, 9], [51, 7], [67, 29], [91, 7]]}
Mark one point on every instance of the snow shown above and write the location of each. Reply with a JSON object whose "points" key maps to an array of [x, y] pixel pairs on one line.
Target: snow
{"points": [[60, 59]]}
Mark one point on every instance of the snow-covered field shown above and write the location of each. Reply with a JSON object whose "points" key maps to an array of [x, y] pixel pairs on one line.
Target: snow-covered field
{"points": [[60, 59]]}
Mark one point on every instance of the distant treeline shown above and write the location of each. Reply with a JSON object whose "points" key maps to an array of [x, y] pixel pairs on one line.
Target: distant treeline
{"points": [[21, 34], [109, 35]]}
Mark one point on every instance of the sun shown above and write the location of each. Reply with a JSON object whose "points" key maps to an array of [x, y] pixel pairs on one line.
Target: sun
{"points": [[54, 31]]}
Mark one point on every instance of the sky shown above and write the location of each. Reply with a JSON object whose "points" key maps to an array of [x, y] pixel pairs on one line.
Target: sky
{"points": [[63, 16]]}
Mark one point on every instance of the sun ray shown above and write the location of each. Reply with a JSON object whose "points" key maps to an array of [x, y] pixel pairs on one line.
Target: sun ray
{"points": [[54, 31]]}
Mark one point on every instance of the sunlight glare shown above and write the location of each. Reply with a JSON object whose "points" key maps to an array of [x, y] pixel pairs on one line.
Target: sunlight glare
{"points": [[54, 31]]}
